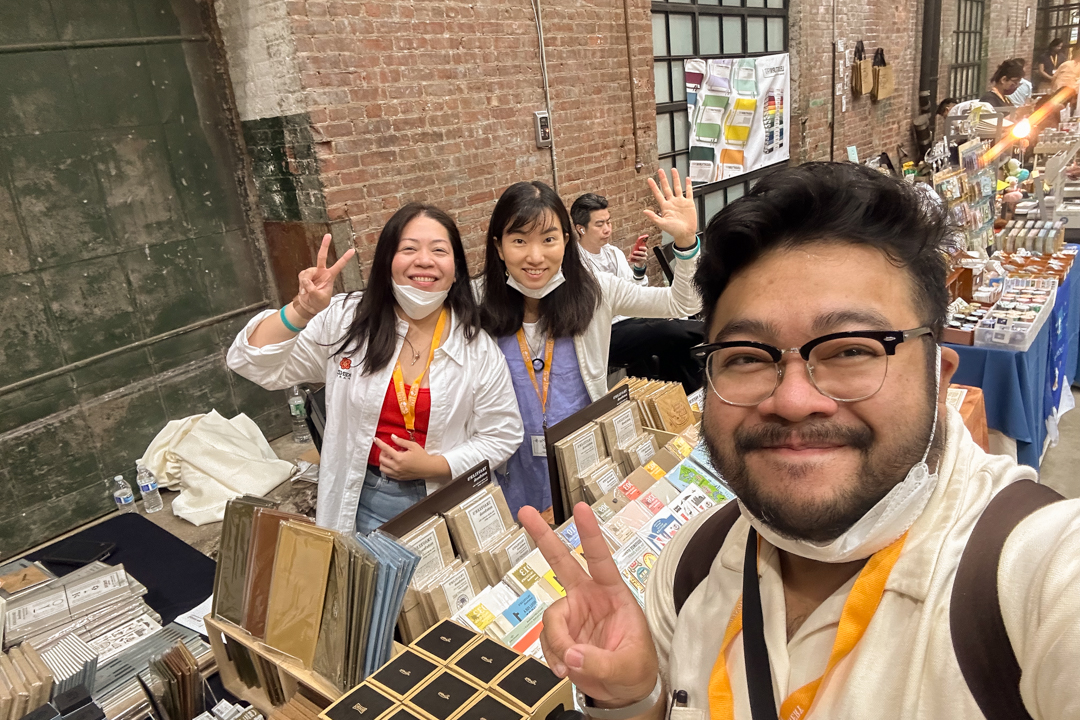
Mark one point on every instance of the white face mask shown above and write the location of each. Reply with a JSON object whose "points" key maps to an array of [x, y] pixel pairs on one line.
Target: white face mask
{"points": [[417, 303], [539, 293], [893, 515]]}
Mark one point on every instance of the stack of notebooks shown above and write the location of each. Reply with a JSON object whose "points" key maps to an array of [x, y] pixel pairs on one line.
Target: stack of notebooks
{"points": [[327, 600], [26, 682], [451, 672], [72, 663], [91, 602], [174, 684], [73, 704]]}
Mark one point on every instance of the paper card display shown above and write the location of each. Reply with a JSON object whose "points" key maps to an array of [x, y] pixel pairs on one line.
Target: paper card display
{"points": [[635, 561], [660, 530], [739, 115]]}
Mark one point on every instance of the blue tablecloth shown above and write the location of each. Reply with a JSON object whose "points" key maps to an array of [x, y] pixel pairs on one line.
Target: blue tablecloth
{"points": [[1019, 387]]}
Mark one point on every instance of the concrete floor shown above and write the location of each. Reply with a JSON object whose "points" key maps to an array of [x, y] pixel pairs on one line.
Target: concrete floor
{"points": [[1061, 464]]}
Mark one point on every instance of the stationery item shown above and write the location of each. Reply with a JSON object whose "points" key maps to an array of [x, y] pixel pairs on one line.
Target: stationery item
{"points": [[19, 576], [484, 661], [444, 641], [719, 75], [710, 118], [691, 502], [363, 702], [628, 521], [530, 686], [431, 541], [298, 588], [746, 77], [395, 567], [660, 529], [621, 425], [703, 163], [739, 121], [488, 707], [232, 562], [6, 699], [635, 561], [329, 659], [399, 677], [262, 547], [442, 696], [479, 520]]}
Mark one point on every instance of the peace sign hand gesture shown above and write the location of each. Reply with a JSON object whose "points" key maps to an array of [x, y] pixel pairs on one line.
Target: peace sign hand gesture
{"points": [[317, 283], [678, 214], [597, 635]]}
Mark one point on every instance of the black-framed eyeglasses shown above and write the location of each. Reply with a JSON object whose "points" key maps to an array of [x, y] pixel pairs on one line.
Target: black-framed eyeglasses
{"points": [[845, 366]]}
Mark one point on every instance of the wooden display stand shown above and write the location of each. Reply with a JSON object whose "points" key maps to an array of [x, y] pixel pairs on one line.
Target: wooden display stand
{"points": [[293, 676]]}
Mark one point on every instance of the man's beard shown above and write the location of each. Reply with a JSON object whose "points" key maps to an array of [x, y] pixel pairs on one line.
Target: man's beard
{"points": [[880, 469]]}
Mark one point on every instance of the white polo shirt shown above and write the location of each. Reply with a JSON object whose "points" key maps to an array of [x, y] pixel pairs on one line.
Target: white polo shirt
{"points": [[904, 666]]}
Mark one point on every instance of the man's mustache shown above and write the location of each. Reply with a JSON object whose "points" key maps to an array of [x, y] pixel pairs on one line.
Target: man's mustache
{"points": [[814, 433]]}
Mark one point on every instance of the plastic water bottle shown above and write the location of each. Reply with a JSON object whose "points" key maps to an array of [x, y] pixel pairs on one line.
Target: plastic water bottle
{"points": [[300, 432], [121, 492], [151, 498]]}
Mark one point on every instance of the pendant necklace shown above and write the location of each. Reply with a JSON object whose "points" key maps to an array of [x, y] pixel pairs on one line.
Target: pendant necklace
{"points": [[415, 354]]}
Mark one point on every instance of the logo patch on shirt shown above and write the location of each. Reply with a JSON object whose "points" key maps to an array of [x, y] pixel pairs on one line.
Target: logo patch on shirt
{"points": [[344, 369]]}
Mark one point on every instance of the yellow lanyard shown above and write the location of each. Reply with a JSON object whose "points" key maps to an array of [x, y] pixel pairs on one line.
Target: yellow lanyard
{"points": [[408, 404], [862, 602], [526, 355]]}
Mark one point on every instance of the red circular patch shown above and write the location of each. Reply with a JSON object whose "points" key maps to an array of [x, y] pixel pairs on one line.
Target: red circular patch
{"points": [[346, 363]]}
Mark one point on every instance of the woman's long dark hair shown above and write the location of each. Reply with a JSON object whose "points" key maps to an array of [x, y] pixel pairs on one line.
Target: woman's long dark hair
{"points": [[375, 322], [567, 310]]}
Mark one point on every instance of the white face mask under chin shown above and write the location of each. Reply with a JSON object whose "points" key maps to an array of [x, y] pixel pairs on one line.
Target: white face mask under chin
{"points": [[890, 518], [417, 303], [539, 293]]}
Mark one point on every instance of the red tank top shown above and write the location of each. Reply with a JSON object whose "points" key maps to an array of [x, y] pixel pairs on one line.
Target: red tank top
{"points": [[392, 422]]}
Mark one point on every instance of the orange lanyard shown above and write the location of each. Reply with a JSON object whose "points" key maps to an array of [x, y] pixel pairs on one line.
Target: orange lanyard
{"points": [[526, 355], [408, 404], [862, 602]]}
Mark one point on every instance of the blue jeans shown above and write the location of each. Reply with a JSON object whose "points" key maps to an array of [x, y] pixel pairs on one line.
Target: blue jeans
{"points": [[383, 499]]}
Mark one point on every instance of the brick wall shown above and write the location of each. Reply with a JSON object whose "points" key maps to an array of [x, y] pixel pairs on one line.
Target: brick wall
{"points": [[434, 102], [1004, 36], [872, 127]]}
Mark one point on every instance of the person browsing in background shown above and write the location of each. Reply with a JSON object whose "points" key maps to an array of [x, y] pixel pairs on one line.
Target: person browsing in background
{"points": [[1047, 63], [1005, 81], [1023, 91], [635, 341], [1067, 74], [858, 490], [552, 317], [416, 392]]}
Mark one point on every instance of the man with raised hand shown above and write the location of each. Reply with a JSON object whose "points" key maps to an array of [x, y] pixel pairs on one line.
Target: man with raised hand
{"points": [[878, 564]]}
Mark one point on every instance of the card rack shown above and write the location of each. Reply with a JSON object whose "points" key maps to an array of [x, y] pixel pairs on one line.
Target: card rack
{"points": [[279, 676]]}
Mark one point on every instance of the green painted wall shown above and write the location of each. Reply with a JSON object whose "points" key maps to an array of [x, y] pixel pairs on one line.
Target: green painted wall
{"points": [[120, 220]]}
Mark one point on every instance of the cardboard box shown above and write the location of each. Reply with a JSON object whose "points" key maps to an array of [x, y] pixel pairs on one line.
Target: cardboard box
{"points": [[489, 707], [533, 688], [478, 521], [401, 712], [363, 702], [483, 662], [404, 674], [443, 696], [441, 643], [431, 541]]}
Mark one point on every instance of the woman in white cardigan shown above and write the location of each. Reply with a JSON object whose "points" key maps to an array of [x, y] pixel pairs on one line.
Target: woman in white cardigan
{"points": [[416, 392], [552, 317]]}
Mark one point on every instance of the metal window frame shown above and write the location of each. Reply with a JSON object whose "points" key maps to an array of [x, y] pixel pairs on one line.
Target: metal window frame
{"points": [[967, 73], [695, 11]]}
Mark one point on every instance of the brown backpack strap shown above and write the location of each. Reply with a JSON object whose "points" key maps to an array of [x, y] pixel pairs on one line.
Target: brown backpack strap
{"points": [[979, 638], [697, 557]]}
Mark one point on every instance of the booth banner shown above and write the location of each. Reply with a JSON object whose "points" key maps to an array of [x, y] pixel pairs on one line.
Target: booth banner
{"points": [[739, 118]]}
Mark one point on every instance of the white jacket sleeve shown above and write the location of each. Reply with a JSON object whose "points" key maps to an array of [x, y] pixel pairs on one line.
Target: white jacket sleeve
{"points": [[1038, 587], [301, 359], [495, 430], [679, 300], [626, 271]]}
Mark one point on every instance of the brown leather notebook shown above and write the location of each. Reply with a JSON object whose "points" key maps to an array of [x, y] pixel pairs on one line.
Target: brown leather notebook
{"points": [[298, 588], [265, 523], [233, 557]]}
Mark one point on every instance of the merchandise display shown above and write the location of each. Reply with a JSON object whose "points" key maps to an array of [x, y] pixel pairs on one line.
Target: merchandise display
{"points": [[454, 672]]}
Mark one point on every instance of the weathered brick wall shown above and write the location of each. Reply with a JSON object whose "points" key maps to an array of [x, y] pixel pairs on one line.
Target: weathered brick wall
{"points": [[872, 127], [1007, 36], [434, 102]]}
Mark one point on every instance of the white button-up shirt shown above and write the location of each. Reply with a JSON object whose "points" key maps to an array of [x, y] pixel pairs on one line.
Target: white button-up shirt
{"points": [[474, 413], [904, 666]]}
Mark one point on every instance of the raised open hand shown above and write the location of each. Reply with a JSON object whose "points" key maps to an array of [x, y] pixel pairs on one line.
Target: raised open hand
{"points": [[597, 635], [678, 214], [317, 283]]}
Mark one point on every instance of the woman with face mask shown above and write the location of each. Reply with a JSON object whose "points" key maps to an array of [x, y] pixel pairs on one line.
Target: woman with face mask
{"points": [[552, 317], [416, 392]]}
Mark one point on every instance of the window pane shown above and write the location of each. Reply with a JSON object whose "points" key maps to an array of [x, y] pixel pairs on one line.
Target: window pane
{"points": [[776, 34], [682, 164], [681, 28], [708, 35], [732, 3], [679, 1], [775, 4], [666, 163], [733, 36], [660, 80], [663, 133], [659, 36], [678, 81], [755, 3], [682, 131], [735, 192], [714, 203], [755, 34], [708, 2]]}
